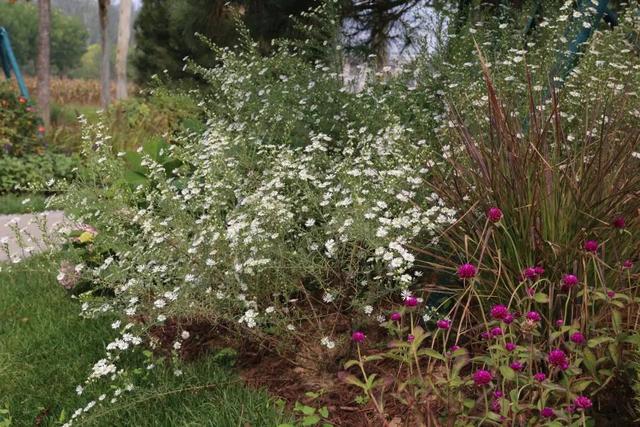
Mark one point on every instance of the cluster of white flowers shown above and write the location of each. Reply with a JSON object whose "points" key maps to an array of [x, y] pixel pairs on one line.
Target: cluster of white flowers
{"points": [[299, 190]]}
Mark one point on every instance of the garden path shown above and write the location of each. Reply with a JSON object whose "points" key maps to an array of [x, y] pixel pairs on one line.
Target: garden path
{"points": [[36, 231]]}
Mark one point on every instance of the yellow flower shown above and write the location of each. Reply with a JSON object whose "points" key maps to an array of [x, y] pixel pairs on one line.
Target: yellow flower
{"points": [[86, 237]]}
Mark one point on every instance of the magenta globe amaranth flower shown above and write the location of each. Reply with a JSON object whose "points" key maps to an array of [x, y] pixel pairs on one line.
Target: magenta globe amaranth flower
{"points": [[529, 273], [516, 366], [508, 319], [591, 246], [569, 281], [534, 316], [627, 263], [618, 222], [443, 324], [539, 270], [494, 214], [499, 311], [496, 332], [547, 412], [539, 376], [559, 323], [482, 377], [577, 338], [395, 316], [411, 301], [358, 336], [611, 293], [583, 402], [510, 346], [558, 358], [467, 271], [497, 394], [410, 338]]}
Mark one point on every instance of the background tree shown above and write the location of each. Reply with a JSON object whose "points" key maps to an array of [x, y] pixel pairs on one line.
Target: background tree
{"points": [[44, 57], [165, 30], [122, 51], [105, 78], [68, 37]]}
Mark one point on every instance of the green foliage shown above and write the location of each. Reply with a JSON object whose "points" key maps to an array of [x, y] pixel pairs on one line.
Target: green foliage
{"points": [[22, 203], [68, 36], [20, 127], [166, 30], [41, 332], [36, 172], [159, 113]]}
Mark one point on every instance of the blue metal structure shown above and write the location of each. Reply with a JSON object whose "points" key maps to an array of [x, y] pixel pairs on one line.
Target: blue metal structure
{"points": [[8, 62]]}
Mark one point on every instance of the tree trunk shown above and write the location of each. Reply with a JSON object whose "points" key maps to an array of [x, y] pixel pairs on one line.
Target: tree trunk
{"points": [[103, 8], [122, 49], [43, 64]]}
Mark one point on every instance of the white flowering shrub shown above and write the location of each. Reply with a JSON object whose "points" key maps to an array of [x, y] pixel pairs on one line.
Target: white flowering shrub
{"points": [[303, 203]]}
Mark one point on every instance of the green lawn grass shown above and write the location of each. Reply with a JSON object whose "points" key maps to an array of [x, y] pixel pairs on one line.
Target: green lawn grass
{"points": [[46, 349], [22, 203]]}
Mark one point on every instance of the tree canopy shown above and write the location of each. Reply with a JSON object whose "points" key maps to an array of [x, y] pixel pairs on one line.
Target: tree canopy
{"points": [[68, 37], [165, 30]]}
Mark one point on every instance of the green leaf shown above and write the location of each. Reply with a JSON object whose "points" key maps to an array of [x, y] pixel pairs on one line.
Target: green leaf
{"points": [[311, 420], [541, 298], [431, 353], [324, 412], [351, 379], [633, 339], [589, 360], [581, 386], [507, 372], [594, 342], [616, 318], [615, 353], [351, 363], [308, 410]]}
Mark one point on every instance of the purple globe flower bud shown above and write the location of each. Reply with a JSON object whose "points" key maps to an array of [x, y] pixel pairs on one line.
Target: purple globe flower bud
{"points": [[627, 263], [499, 311], [411, 301], [358, 336], [583, 402], [410, 338], [467, 271], [443, 324], [618, 222], [534, 316], [508, 319], [591, 246], [569, 281], [539, 270], [516, 366], [510, 346], [395, 316], [529, 273], [540, 376], [498, 394], [494, 214], [577, 338], [547, 412], [558, 358], [482, 377], [496, 332], [559, 323], [611, 294]]}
